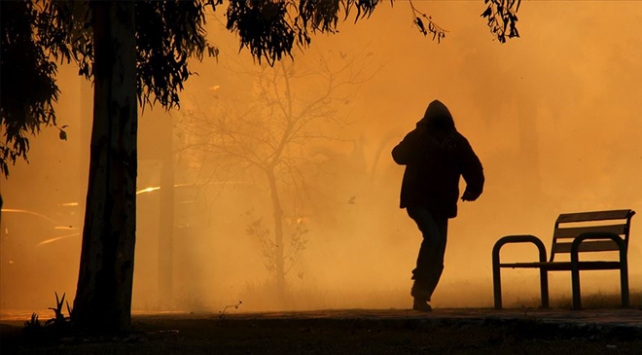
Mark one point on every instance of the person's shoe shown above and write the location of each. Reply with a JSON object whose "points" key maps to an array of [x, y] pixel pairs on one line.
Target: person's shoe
{"points": [[420, 291], [421, 305]]}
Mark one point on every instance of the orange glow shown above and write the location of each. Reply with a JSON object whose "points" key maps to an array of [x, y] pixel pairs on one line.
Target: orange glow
{"points": [[555, 117]]}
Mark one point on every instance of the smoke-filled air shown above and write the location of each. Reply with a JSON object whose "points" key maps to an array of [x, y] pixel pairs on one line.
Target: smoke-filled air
{"points": [[285, 195]]}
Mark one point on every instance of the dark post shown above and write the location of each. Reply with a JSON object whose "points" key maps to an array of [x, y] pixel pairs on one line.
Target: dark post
{"points": [[543, 282], [575, 275], [624, 276], [497, 279]]}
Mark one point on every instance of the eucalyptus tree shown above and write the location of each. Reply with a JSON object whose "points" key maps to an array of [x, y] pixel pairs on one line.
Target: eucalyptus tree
{"points": [[137, 54]]}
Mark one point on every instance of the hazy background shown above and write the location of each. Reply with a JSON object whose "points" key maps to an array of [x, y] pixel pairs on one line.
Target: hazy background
{"points": [[555, 117]]}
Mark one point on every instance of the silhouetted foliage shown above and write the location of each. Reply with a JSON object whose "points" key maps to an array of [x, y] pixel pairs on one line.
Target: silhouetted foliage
{"points": [[36, 35], [167, 33], [26, 64], [502, 18], [431, 28], [54, 328], [270, 29]]}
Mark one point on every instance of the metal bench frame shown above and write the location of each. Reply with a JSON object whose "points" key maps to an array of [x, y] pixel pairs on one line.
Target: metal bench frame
{"points": [[601, 237]]}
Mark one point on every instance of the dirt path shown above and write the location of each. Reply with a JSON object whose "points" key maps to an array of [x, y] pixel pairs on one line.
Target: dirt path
{"points": [[456, 331]]}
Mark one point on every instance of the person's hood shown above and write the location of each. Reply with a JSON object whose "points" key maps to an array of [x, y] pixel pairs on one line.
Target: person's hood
{"points": [[437, 117]]}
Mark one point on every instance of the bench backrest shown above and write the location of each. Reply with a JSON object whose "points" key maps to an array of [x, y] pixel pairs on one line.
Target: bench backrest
{"points": [[570, 225]]}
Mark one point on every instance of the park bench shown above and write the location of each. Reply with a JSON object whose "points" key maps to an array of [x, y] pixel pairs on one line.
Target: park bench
{"points": [[574, 233]]}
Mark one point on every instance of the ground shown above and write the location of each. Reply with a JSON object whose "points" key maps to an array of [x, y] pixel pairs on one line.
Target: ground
{"points": [[444, 331]]}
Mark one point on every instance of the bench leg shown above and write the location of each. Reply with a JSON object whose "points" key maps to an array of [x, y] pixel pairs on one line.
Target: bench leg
{"points": [[543, 281], [575, 280], [624, 278], [624, 286], [497, 286]]}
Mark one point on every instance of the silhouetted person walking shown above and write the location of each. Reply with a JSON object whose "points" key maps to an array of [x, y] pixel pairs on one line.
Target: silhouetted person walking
{"points": [[435, 156]]}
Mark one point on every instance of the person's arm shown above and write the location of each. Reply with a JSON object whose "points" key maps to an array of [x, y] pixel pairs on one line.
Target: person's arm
{"points": [[406, 151], [472, 171]]}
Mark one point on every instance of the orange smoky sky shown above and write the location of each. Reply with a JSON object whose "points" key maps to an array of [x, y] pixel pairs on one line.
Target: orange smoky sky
{"points": [[555, 117]]}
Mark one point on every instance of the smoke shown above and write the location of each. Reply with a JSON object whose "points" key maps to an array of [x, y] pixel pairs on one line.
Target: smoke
{"points": [[554, 117]]}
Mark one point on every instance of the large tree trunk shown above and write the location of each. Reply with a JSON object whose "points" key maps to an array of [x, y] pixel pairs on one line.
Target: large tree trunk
{"points": [[103, 297]]}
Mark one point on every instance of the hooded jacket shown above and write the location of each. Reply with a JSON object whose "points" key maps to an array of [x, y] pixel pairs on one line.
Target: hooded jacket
{"points": [[436, 156]]}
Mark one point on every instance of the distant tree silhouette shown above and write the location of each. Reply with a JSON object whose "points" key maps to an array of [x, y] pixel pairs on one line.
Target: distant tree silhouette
{"points": [[269, 134], [136, 53]]}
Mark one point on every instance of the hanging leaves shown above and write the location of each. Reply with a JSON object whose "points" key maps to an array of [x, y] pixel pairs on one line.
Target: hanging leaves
{"points": [[38, 34], [28, 78], [269, 29], [167, 34], [431, 28], [437, 32], [502, 18], [263, 28]]}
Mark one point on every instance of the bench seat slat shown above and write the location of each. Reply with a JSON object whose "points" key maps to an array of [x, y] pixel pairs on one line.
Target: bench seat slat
{"points": [[594, 216], [565, 265], [587, 246], [575, 231]]}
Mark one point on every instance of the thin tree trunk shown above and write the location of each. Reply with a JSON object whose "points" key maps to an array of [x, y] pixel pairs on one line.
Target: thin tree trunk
{"points": [[166, 223], [103, 296], [278, 233]]}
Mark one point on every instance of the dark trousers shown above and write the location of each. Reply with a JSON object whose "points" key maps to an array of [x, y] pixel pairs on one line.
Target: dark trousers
{"points": [[430, 261]]}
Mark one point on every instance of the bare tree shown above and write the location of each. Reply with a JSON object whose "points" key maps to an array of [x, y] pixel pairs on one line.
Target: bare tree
{"points": [[289, 107]]}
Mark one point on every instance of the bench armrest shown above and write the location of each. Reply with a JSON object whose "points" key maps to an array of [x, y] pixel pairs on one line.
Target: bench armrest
{"points": [[509, 239], [575, 270], [575, 247], [525, 238]]}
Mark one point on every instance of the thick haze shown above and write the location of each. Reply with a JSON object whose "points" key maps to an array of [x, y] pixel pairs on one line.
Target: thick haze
{"points": [[555, 117]]}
